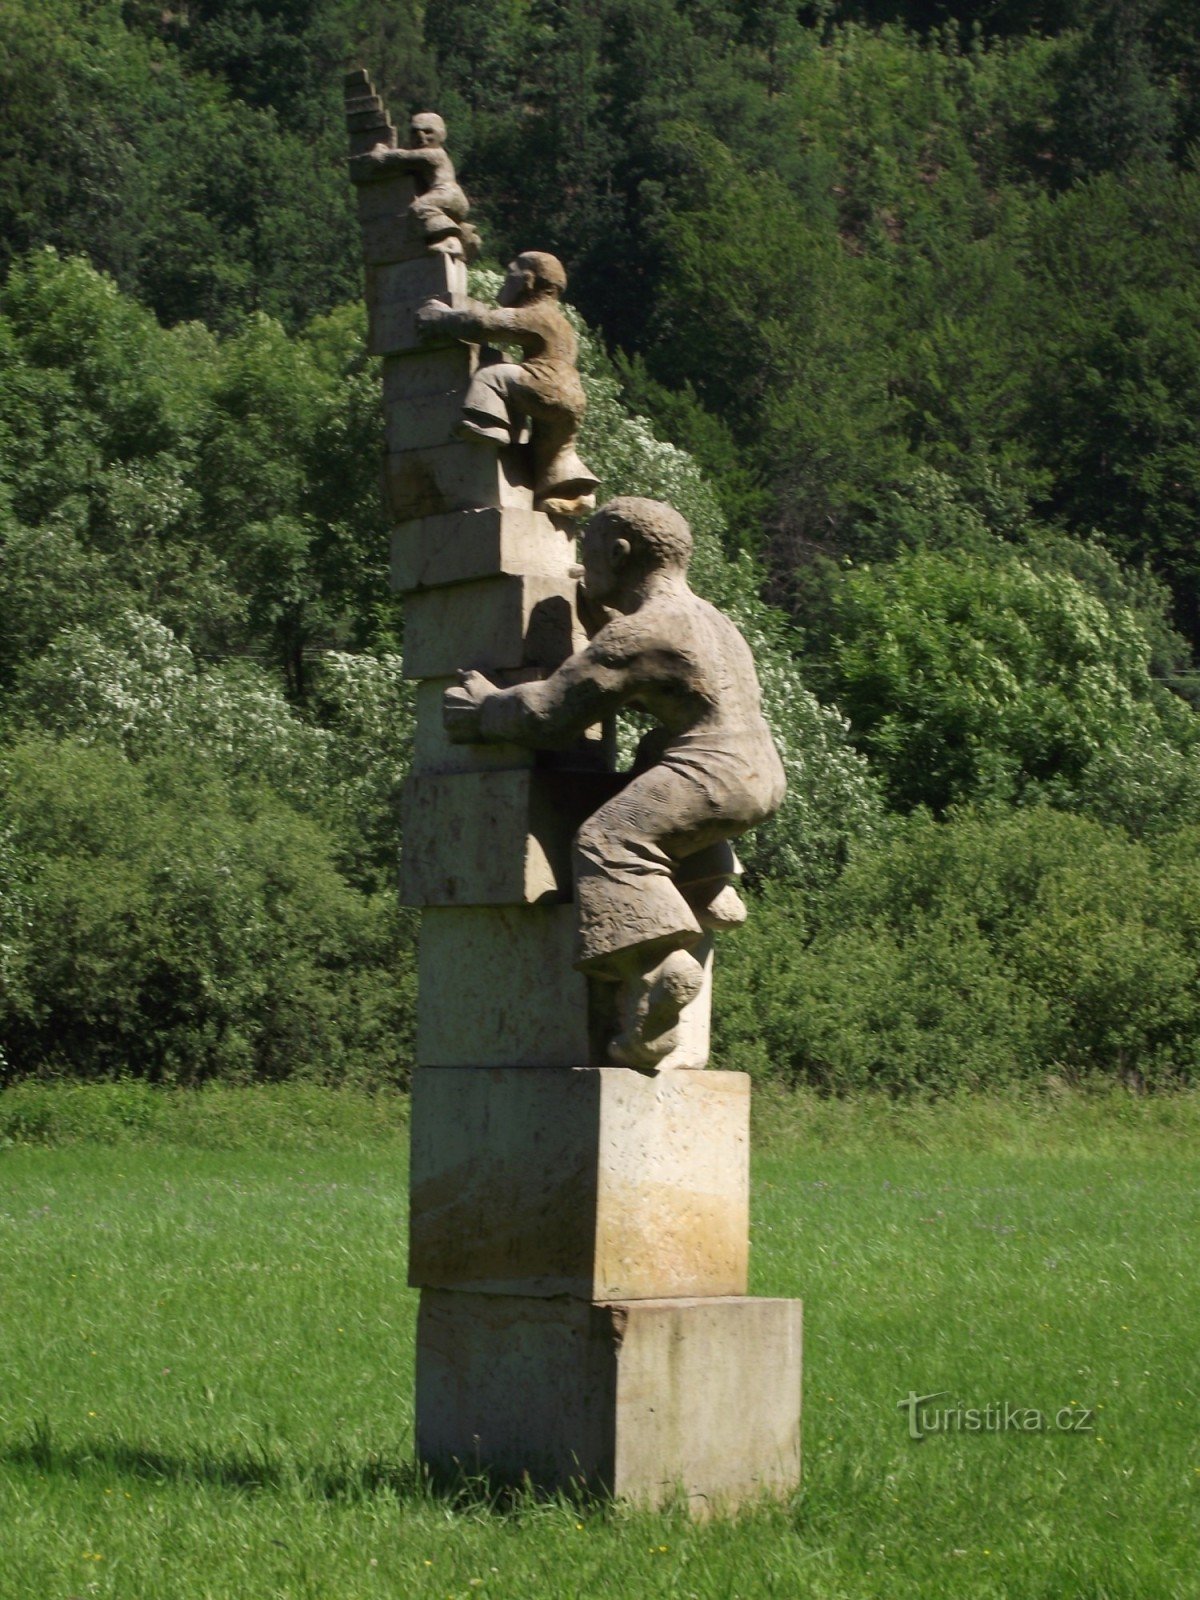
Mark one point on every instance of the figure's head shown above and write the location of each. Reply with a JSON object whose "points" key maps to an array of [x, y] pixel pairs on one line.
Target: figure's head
{"points": [[427, 130], [629, 538], [534, 275]]}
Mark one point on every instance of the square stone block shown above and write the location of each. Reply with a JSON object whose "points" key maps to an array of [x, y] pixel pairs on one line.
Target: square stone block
{"points": [[433, 751], [594, 751], [493, 624], [479, 544], [423, 421], [396, 289], [465, 475], [384, 197], [495, 987], [652, 1401], [602, 1183], [416, 374], [493, 838]]}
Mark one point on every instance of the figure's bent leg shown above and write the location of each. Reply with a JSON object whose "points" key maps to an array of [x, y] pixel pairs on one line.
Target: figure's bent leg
{"points": [[652, 1004], [487, 413]]}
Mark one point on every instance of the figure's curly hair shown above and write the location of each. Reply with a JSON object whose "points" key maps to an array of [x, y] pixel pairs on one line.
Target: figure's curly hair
{"points": [[549, 274], [658, 536]]}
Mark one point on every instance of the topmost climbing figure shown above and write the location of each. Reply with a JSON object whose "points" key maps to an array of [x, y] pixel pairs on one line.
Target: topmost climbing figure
{"points": [[438, 211]]}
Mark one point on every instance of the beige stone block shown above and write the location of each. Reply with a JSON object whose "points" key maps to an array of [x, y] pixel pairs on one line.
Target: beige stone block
{"points": [[652, 1401], [493, 838], [466, 545], [423, 421], [466, 475], [495, 987], [384, 197], [602, 1183], [594, 751], [433, 751], [395, 291], [414, 374], [493, 624]]}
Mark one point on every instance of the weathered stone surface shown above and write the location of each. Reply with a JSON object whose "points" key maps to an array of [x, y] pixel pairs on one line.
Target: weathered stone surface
{"points": [[600, 1183], [395, 292], [414, 375], [433, 752], [438, 208], [495, 623], [495, 988], [463, 476], [479, 544], [544, 392], [522, 856], [651, 1400]]}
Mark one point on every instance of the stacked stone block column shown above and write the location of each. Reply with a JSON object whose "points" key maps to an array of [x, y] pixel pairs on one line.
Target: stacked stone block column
{"points": [[578, 1232]]}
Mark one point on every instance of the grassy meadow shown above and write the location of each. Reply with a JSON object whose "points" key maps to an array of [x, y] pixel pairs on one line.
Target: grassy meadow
{"points": [[206, 1359]]}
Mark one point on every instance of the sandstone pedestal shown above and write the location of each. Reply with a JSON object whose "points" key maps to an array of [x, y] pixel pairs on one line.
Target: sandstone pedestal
{"points": [[578, 1231], [652, 1400]]}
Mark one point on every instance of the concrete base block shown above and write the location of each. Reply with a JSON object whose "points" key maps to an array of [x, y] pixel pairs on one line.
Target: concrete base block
{"points": [[467, 545], [601, 1183], [495, 985], [395, 291], [651, 1400], [495, 624], [465, 475]]}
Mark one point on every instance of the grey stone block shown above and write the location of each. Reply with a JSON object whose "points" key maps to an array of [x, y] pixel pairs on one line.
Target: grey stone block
{"points": [[493, 624], [395, 291], [653, 1401], [479, 544], [601, 1183], [466, 475], [496, 988], [493, 838]]}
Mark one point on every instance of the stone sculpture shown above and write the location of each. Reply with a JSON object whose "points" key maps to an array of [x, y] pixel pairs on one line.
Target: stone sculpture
{"points": [[544, 390], [438, 211], [653, 867]]}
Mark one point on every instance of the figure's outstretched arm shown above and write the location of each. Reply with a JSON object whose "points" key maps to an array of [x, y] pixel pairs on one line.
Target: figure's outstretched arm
{"points": [[384, 159], [581, 692], [479, 323]]}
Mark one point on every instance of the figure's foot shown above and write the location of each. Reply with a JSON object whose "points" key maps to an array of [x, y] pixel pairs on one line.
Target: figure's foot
{"points": [[650, 1011], [476, 425], [726, 909], [565, 481], [569, 509]]}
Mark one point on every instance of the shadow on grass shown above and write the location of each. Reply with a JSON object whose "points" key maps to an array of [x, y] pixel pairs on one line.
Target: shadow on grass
{"points": [[270, 1468]]}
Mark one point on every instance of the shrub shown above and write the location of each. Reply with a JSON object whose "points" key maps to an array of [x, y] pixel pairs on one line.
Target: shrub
{"points": [[180, 929]]}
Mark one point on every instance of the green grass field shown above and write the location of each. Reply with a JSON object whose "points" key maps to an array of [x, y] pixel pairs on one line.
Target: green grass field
{"points": [[206, 1360]]}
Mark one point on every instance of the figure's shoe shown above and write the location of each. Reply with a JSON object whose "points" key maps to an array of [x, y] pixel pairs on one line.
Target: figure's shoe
{"points": [[565, 481], [726, 909], [476, 425], [652, 1011]]}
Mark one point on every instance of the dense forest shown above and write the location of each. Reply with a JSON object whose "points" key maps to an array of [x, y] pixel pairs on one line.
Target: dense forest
{"points": [[900, 307]]}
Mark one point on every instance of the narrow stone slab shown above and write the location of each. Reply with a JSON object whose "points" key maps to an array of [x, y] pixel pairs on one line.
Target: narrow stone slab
{"points": [[479, 544], [467, 475], [395, 291], [422, 421], [495, 985], [493, 838], [654, 1401], [412, 375], [600, 1183], [493, 624]]}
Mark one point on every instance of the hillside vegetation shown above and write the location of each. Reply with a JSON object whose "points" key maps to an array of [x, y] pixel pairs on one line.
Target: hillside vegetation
{"points": [[904, 315]]}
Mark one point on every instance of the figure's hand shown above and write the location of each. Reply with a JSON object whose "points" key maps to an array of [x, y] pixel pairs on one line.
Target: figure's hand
{"points": [[431, 315], [461, 707]]}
